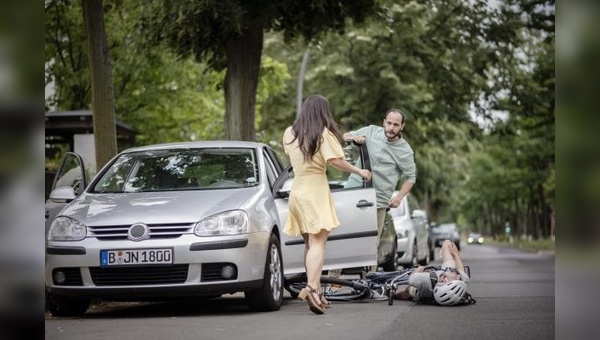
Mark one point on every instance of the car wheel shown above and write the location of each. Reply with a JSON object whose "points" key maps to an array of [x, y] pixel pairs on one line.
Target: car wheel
{"points": [[63, 306], [270, 296], [392, 263]]}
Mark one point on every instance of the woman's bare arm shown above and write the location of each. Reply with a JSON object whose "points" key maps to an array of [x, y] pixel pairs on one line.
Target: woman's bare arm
{"points": [[342, 165]]}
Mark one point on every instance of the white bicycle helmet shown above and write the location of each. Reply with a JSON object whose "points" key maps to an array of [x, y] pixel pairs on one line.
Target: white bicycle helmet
{"points": [[449, 293]]}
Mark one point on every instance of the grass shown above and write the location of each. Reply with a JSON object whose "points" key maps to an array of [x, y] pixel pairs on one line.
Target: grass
{"points": [[526, 244]]}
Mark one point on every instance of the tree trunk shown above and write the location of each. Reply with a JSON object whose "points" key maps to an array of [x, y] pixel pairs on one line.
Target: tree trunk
{"points": [[241, 82], [105, 134]]}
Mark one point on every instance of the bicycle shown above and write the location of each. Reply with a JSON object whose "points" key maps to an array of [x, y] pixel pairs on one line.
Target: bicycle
{"points": [[376, 286]]}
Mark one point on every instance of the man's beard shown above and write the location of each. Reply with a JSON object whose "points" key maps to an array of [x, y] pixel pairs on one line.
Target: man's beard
{"points": [[393, 135]]}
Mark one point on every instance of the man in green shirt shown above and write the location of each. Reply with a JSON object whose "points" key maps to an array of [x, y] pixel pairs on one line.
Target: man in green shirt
{"points": [[392, 159]]}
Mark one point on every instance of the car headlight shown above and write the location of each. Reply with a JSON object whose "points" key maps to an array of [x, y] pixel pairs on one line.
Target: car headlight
{"points": [[480, 240], [66, 229], [470, 240], [228, 223]]}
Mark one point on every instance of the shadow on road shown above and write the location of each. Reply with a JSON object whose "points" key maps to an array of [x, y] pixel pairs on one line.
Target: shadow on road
{"points": [[227, 305]]}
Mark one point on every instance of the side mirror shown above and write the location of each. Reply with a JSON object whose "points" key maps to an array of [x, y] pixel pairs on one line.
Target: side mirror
{"points": [[63, 194], [286, 188]]}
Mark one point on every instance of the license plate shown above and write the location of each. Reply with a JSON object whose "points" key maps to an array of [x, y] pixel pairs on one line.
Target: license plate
{"points": [[131, 257]]}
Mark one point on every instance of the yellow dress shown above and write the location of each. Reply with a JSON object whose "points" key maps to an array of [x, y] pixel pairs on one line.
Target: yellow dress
{"points": [[310, 203]]}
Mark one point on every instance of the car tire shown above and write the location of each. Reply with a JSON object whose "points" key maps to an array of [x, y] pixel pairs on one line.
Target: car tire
{"points": [[269, 297], [63, 306], [392, 263]]}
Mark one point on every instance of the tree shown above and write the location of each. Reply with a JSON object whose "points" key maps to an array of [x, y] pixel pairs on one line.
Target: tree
{"points": [[105, 135], [230, 34], [166, 98]]}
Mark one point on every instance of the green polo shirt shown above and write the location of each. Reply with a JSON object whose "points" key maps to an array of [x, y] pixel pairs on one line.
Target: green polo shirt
{"points": [[390, 161]]}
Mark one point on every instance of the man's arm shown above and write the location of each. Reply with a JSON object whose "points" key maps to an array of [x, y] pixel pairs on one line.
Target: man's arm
{"points": [[405, 189], [357, 138]]}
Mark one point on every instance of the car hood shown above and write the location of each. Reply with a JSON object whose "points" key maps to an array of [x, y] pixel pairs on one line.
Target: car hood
{"points": [[155, 207]]}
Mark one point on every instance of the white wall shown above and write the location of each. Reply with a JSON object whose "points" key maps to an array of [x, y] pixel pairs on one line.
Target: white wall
{"points": [[84, 146]]}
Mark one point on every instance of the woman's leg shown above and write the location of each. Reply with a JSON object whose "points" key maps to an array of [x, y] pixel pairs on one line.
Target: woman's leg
{"points": [[306, 247], [315, 257]]}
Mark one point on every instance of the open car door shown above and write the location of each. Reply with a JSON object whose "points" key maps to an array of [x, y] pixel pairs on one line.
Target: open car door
{"points": [[354, 243], [69, 182]]}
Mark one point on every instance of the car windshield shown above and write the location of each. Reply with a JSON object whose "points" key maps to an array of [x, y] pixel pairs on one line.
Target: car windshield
{"points": [[181, 169]]}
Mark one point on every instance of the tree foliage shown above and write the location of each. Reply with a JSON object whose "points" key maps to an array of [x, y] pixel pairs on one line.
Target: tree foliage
{"points": [[229, 35], [475, 78]]}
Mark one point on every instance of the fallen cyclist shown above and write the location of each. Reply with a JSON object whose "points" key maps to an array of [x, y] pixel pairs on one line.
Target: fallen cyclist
{"points": [[446, 286]]}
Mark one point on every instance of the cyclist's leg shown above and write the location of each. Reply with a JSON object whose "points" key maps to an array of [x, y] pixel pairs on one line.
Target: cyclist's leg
{"points": [[447, 258]]}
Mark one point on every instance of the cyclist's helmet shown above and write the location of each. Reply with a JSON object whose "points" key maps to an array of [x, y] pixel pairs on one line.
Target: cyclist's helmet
{"points": [[449, 293]]}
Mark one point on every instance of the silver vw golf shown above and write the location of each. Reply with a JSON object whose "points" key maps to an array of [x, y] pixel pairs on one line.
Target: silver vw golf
{"points": [[187, 219]]}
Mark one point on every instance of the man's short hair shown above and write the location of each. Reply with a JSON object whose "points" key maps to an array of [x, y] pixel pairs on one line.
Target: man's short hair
{"points": [[396, 110]]}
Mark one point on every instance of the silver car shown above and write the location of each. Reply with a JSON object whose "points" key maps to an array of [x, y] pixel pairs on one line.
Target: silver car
{"points": [[412, 233], [188, 219], [446, 231]]}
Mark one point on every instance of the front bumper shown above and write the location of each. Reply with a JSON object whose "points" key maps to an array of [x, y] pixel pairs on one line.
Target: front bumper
{"points": [[197, 268]]}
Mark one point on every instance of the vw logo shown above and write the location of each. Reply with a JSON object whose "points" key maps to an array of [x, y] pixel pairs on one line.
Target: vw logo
{"points": [[138, 232]]}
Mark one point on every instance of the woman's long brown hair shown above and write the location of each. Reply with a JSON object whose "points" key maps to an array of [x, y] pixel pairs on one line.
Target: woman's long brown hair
{"points": [[314, 117]]}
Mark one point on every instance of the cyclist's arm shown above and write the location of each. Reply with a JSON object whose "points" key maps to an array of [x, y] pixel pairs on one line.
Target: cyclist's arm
{"points": [[419, 280]]}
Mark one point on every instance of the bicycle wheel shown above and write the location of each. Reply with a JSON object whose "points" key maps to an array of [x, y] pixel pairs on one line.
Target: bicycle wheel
{"points": [[334, 289]]}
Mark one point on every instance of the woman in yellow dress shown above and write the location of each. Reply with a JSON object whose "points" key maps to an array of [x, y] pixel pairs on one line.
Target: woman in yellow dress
{"points": [[312, 143]]}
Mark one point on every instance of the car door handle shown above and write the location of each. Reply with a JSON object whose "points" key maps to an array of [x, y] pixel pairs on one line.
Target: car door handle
{"points": [[47, 214], [364, 203]]}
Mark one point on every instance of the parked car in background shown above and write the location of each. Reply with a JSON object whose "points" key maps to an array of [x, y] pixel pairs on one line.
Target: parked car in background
{"points": [[475, 238], [189, 219], [446, 231], [412, 232]]}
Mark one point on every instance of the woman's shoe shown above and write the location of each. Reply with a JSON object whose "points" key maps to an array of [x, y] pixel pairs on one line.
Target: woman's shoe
{"points": [[314, 304], [326, 304]]}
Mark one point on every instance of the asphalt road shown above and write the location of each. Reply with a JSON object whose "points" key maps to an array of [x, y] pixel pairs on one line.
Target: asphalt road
{"points": [[515, 293]]}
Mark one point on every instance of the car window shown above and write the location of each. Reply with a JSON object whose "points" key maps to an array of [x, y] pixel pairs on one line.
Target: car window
{"points": [[338, 180], [70, 174], [185, 169]]}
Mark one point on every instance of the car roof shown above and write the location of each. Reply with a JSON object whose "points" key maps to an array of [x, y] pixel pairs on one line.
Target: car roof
{"points": [[198, 144]]}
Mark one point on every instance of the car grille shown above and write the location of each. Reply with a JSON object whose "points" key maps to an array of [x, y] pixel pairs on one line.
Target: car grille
{"points": [[157, 231], [123, 276]]}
